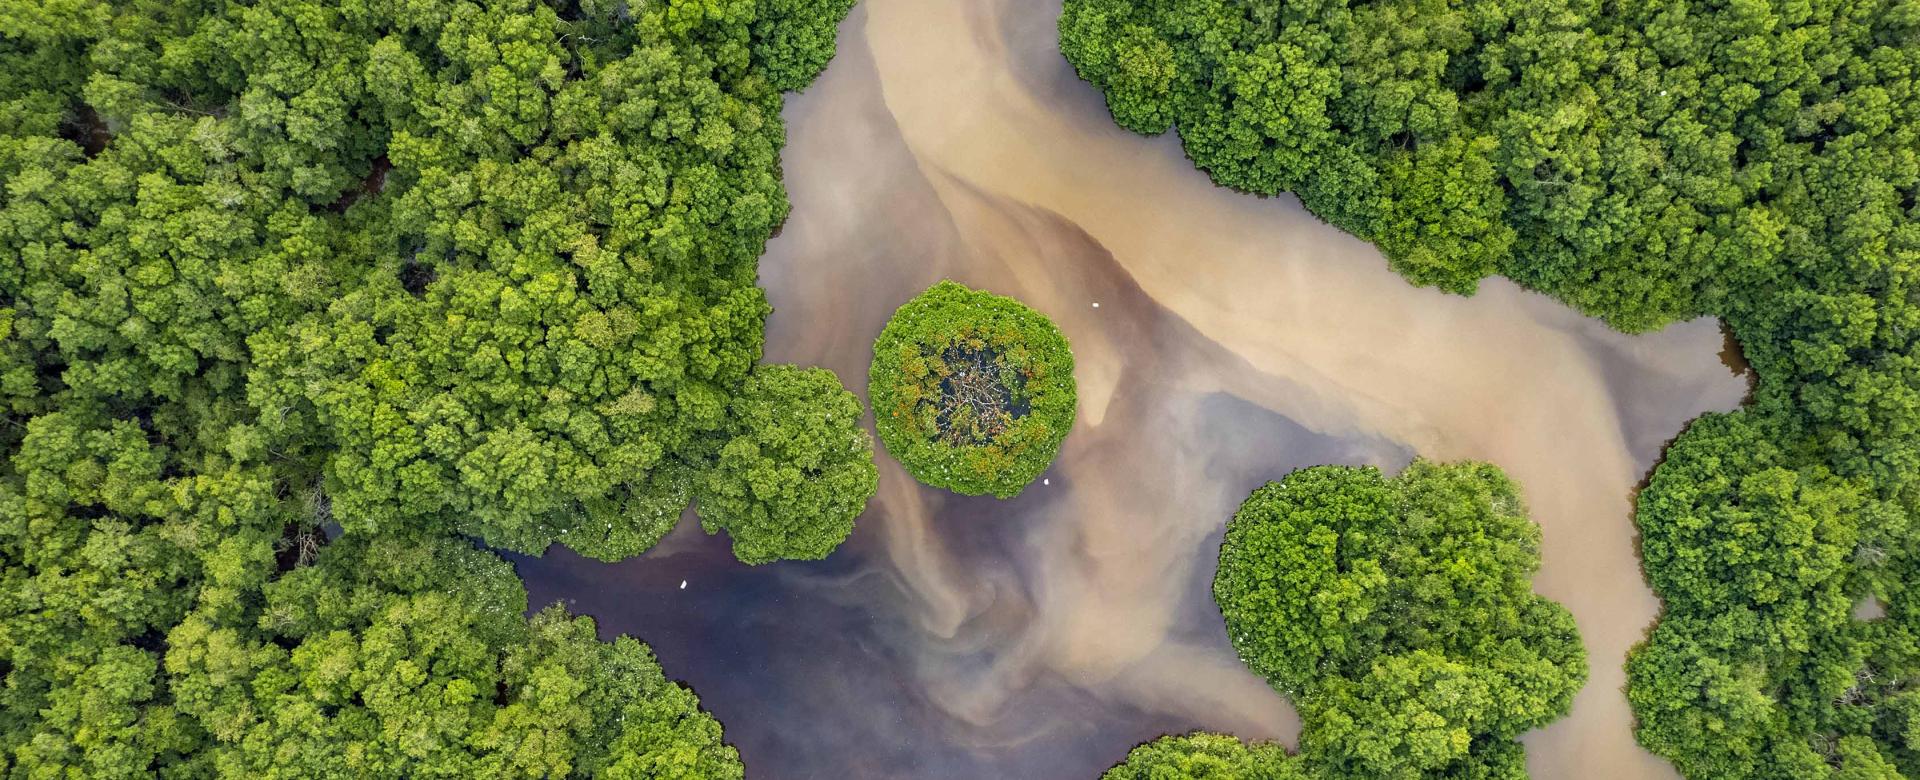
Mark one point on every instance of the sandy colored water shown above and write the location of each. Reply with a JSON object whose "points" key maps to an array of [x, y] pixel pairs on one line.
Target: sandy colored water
{"points": [[1221, 339]]}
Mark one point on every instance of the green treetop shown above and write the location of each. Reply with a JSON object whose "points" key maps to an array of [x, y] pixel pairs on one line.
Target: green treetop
{"points": [[1203, 756], [1398, 614], [972, 392], [796, 471]]}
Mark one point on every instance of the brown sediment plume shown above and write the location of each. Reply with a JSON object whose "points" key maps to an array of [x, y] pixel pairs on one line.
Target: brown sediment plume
{"points": [[1220, 341]]}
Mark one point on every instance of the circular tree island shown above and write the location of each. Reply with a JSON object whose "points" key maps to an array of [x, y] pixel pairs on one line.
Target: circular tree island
{"points": [[972, 391]]}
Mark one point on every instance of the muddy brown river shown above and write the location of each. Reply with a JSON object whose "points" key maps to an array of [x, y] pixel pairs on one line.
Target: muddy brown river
{"points": [[1222, 340]]}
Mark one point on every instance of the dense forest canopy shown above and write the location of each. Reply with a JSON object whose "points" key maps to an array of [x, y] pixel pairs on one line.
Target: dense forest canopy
{"points": [[1645, 162], [295, 295], [300, 299], [972, 392]]}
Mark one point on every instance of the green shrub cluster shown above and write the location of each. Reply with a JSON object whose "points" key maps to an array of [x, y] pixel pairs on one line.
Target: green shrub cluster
{"points": [[1398, 615], [788, 485], [1204, 756], [972, 392], [1644, 162], [417, 270]]}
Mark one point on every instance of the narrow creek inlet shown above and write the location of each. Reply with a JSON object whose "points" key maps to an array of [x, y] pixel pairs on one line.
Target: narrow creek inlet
{"points": [[1221, 340]]}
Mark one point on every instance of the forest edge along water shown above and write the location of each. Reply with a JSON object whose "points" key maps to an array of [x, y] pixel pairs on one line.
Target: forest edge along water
{"points": [[1235, 338]]}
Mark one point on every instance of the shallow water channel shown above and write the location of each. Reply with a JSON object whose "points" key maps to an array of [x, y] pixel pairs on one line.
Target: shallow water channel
{"points": [[1222, 340]]}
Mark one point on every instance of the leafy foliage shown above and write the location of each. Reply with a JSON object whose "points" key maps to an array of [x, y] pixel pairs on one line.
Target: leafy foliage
{"points": [[795, 474], [565, 362], [1757, 161], [410, 658], [1398, 615], [1203, 756], [972, 392], [291, 293]]}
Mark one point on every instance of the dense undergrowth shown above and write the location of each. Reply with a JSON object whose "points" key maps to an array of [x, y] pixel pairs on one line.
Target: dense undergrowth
{"points": [[1644, 162], [298, 298]]}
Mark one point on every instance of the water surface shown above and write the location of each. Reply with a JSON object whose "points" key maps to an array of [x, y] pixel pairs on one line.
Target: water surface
{"points": [[1222, 340]]}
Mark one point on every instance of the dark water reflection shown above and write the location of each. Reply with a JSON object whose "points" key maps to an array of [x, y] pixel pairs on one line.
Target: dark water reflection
{"points": [[818, 669], [1233, 339]]}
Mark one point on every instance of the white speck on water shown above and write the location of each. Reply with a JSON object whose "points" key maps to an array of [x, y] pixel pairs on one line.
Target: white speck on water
{"points": [[683, 584], [1096, 304], [1046, 482]]}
